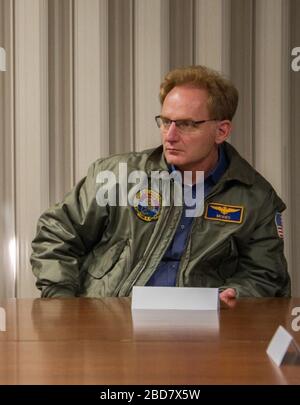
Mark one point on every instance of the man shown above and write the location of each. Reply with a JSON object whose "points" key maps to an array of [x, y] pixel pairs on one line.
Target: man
{"points": [[85, 248]]}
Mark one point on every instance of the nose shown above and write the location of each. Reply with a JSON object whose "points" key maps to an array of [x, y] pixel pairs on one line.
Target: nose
{"points": [[172, 134]]}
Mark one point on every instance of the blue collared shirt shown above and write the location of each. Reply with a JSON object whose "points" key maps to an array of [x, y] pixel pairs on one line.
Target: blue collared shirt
{"points": [[166, 272]]}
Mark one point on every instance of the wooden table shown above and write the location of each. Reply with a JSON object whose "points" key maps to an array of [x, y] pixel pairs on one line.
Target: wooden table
{"points": [[94, 341]]}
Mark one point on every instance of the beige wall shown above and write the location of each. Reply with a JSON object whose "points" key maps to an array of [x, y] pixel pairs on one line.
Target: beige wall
{"points": [[82, 81]]}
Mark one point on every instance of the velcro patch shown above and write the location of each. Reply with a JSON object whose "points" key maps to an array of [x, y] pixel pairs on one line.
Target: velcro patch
{"points": [[279, 225], [147, 205], [224, 213]]}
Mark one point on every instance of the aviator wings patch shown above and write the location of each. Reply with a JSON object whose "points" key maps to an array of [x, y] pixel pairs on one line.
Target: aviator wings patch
{"points": [[224, 213]]}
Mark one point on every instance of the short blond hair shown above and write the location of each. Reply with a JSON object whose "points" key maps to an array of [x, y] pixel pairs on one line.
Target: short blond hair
{"points": [[222, 94]]}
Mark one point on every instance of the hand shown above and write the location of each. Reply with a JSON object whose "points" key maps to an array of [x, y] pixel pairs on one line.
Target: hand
{"points": [[228, 296]]}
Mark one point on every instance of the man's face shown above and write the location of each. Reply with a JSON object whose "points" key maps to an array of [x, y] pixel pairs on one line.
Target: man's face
{"points": [[196, 150]]}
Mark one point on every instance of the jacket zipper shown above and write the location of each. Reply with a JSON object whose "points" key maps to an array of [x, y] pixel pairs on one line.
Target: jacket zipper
{"points": [[186, 253]]}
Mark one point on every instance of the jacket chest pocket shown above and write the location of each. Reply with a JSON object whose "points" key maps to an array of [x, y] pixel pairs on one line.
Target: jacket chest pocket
{"points": [[221, 262], [108, 267]]}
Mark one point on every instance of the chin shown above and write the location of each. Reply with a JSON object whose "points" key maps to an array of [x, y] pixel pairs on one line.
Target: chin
{"points": [[173, 158]]}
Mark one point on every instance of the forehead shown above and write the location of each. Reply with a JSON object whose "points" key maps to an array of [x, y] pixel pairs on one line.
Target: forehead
{"points": [[185, 99]]}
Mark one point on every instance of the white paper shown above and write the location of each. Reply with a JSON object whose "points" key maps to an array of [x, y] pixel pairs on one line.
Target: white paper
{"points": [[2, 320], [156, 320], [279, 345], [180, 298]]}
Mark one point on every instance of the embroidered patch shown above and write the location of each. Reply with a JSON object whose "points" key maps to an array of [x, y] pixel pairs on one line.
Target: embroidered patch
{"points": [[224, 213], [279, 226], [148, 205]]}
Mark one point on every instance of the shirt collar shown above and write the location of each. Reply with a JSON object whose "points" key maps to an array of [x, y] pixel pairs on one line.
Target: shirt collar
{"points": [[221, 166]]}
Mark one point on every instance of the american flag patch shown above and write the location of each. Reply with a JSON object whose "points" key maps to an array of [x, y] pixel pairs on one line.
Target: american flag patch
{"points": [[279, 226]]}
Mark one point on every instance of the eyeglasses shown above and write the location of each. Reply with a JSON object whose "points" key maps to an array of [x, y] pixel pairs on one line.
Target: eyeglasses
{"points": [[185, 126]]}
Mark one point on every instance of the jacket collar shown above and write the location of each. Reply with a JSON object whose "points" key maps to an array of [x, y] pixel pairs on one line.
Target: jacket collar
{"points": [[156, 160], [238, 169]]}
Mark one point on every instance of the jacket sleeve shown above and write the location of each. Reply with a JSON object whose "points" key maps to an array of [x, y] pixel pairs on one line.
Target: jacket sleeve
{"points": [[262, 268], [65, 235]]}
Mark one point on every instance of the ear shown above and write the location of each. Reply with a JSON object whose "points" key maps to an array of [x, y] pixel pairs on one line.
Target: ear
{"points": [[223, 131]]}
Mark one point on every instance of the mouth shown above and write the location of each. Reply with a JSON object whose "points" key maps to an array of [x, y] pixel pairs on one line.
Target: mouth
{"points": [[172, 150]]}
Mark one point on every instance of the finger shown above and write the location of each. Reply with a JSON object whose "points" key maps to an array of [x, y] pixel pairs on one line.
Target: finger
{"points": [[231, 293]]}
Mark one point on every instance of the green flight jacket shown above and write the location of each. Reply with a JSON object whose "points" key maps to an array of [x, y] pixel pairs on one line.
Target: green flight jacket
{"points": [[83, 249]]}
